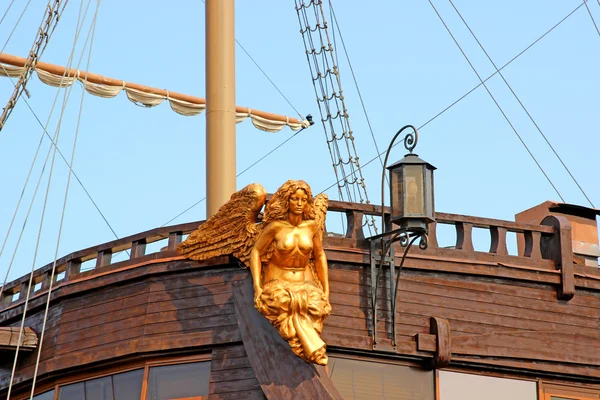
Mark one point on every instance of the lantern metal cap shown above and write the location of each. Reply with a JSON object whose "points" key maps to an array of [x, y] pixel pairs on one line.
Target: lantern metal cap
{"points": [[411, 158]]}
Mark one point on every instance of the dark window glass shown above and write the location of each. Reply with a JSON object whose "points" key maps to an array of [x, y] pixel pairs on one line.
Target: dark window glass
{"points": [[75, 391], [178, 381], [45, 396], [358, 380], [128, 385], [124, 386], [99, 389]]}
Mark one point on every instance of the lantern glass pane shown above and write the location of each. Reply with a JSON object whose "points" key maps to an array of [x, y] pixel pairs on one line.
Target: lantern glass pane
{"points": [[429, 201], [396, 192], [414, 198]]}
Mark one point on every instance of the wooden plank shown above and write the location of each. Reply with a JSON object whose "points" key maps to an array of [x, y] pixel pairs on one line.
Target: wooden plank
{"points": [[527, 345], [237, 387], [246, 394], [192, 324], [545, 310], [531, 296], [280, 372], [232, 374], [494, 321], [9, 338]]}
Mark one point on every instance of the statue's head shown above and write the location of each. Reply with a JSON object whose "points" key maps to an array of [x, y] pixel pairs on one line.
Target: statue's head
{"points": [[290, 195]]}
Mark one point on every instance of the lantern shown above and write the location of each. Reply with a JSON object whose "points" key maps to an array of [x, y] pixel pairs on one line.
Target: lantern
{"points": [[411, 192]]}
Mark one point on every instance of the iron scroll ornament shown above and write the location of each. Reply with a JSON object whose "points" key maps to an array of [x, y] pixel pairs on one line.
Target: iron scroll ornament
{"points": [[410, 142], [406, 237]]}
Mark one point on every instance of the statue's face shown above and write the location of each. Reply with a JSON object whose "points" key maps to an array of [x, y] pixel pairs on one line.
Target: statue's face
{"points": [[298, 202]]}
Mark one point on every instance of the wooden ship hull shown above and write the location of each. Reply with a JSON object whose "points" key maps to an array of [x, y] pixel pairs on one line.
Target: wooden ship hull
{"points": [[531, 319]]}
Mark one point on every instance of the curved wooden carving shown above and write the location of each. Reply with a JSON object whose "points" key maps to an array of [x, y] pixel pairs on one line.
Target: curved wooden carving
{"points": [[440, 327]]}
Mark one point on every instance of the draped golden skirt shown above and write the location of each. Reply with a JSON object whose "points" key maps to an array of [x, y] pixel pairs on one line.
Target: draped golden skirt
{"points": [[297, 310]]}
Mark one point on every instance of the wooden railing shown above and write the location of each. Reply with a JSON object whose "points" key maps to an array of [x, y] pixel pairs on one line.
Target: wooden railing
{"points": [[536, 238], [498, 229]]}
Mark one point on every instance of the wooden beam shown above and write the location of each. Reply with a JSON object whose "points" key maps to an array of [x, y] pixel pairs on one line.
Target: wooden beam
{"points": [[102, 80], [559, 248], [281, 374], [9, 339]]}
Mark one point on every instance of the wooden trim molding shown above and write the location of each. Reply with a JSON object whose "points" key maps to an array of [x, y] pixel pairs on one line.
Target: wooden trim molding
{"points": [[9, 339], [547, 391]]}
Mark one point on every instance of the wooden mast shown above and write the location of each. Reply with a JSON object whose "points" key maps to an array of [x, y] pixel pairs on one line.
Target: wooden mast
{"points": [[220, 103]]}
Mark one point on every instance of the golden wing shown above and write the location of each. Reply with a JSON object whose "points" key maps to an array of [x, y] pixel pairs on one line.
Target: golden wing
{"points": [[320, 205], [232, 230]]}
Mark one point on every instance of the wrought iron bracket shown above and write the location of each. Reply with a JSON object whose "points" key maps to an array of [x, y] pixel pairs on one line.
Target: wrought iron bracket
{"points": [[382, 254], [378, 260]]}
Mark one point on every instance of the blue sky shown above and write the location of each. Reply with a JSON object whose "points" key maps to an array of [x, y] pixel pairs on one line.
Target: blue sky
{"points": [[144, 166]]}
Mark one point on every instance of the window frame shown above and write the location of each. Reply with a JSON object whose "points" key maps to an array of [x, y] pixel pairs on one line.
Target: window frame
{"points": [[547, 389], [126, 367]]}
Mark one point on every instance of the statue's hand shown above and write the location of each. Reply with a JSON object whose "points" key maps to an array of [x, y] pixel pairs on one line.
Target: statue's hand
{"points": [[257, 293]]}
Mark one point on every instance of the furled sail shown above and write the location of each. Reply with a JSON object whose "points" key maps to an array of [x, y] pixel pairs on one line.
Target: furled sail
{"points": [[145, 96]]}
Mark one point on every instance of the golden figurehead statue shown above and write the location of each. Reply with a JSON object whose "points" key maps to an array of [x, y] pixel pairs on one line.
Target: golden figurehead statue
{"points": [[285, 255]]}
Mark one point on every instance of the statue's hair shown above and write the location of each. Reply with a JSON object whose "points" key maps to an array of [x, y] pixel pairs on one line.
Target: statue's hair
{"points": [[278, 207]]}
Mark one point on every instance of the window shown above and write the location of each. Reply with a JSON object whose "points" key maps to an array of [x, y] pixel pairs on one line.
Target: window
{"points": [[181, 381], [124, 386], [358, 380], [185, 378], [459, 386], [549, 391], [45, 396]]}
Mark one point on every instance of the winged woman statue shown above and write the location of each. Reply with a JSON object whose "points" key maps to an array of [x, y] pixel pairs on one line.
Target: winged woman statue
{"points": [[285, 255]]}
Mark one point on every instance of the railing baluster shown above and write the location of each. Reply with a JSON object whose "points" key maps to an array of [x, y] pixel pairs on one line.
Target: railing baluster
{"points": [[46, 279], [104, 258], [73, 268], [138, 249], [432, 236], [533, 245], [354, 230], [174, 240], [498, 240], [464, 239]]}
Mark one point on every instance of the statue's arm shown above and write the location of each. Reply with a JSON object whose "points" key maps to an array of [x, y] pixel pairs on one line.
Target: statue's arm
{"points": [[260, 247], [321, 263]]}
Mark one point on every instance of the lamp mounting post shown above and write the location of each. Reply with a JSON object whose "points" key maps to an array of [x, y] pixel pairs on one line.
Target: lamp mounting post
{"points": [[411, 209]]}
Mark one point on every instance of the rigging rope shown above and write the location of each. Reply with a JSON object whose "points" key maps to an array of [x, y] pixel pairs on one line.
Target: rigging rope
{"points": [[62, 217], [44, 133], [591, 16], [356, 84], [330, 99], [6, 12], [522, 105], [16, 25], [56, 137], [237, 176], [478, 85], [266, 76], [496, 102], [44, 33]]}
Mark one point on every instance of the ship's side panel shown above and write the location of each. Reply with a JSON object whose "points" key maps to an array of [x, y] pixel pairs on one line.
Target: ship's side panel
{"points": [[232, 376]]}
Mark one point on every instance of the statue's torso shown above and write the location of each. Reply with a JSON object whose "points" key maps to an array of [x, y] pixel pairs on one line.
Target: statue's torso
{"points": [[293, 248]]}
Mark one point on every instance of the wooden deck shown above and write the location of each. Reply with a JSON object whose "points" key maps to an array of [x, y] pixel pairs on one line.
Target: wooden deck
{"points": [[536, 314]]}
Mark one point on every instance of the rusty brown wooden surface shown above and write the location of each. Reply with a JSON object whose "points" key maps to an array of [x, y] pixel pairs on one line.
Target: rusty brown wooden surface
{"points": [[231, 375], [171, 305]]}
